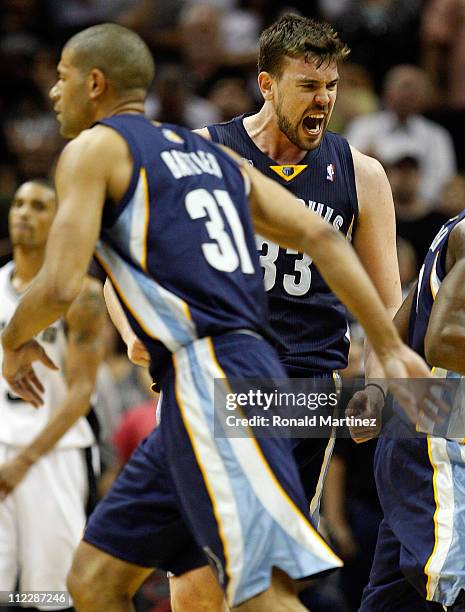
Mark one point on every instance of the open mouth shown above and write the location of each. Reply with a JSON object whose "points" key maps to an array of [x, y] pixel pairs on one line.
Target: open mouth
{"points": [[313, 124]]}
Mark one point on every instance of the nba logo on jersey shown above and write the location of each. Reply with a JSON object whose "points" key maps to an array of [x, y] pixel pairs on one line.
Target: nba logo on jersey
{"points": [[330, 172]]}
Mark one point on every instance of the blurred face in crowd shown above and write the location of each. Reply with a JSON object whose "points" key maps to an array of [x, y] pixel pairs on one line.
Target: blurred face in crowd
{"points": [[453, 196], [303, 99], [406, 90], [31, 214], [404, 178], [70, 98]]}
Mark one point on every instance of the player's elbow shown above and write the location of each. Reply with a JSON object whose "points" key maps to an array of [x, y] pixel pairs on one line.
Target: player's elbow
{"points": [[62, 292], [445, 347]]}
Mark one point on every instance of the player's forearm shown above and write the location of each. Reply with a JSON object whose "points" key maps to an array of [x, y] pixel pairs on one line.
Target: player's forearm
{"points": [[334, 492], [75, 405], [116, 312], [343, 272], [37, 310]]}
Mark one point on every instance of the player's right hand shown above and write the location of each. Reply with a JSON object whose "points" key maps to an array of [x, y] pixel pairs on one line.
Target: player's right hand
{"points": [[416, 397], [137, 352], [18, 372]]}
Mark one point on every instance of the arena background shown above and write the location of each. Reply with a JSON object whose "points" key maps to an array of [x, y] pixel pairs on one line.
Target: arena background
{"points": [[206, 72]]}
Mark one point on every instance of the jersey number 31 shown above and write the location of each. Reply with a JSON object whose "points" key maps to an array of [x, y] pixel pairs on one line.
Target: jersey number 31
{"points": [[221, 254]]}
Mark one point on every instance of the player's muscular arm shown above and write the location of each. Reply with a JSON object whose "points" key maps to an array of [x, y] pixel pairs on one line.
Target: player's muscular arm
{"points": [[402, 318], [445, 337], [82, 176], [85, 322], [375, 239]]}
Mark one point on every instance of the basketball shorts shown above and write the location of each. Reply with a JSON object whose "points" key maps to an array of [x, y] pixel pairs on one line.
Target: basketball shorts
{"points": [[42, 521], [419, 555], [187, 496], [313, 454]]}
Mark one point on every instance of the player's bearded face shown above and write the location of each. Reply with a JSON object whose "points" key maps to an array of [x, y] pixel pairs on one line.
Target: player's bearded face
{"points": [[304, 99]]}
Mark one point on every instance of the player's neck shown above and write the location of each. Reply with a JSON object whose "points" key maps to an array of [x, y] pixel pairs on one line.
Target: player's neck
{"points": [[264, 131], [27, 265], [120, 107]]}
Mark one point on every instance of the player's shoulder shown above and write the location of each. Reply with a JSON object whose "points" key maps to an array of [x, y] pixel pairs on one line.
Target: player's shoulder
{"points": [[456, 240], [100, 142], [366, 168]]}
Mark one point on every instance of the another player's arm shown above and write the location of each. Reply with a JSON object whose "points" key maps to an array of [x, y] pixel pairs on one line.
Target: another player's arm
{"points": [[82, 176], [402, 318], [375, 240], [445, 336], [137, 352], [85, 322]]}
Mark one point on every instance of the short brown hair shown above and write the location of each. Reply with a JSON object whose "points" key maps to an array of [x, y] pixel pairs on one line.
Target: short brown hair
{"points": [[118, 52], [295, 36]]}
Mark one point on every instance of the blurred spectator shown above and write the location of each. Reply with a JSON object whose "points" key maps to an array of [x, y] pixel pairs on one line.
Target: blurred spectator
{"points": [[173, 102], [157, 22], [230, 98], [443, 35], [355, 97], [415, 222], [71, 16], [33, 139], [132, 382], [408, 264], [208, 43], [381, 33], [401, 127], [135, 425], [202, 49], [452, 199], [331, 10]]}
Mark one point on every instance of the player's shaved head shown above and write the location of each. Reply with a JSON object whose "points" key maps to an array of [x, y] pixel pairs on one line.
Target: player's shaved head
{"points": [[120, 53]]}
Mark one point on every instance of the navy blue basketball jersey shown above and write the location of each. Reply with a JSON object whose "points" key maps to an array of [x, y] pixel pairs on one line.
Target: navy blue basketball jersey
{"points": [[179, 248], [307, 316], [431, 275]]}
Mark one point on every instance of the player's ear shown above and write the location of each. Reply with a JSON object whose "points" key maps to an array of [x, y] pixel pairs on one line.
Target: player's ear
{"points": [[265, 83], [97, 83]]}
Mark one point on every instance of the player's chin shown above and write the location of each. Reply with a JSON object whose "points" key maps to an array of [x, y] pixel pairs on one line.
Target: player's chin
{"points": [[311, 141], [67, 132]]}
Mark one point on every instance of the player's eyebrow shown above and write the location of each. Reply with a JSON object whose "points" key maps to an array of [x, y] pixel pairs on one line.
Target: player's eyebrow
{"points": [[307, 81]]}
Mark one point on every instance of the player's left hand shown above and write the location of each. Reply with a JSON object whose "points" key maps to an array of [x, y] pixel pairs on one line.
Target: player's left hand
{"points": [[11, 474], [18, 372], [366, 404]]}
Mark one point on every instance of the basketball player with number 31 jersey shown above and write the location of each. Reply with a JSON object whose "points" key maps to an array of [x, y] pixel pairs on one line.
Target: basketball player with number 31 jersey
{"points": [[173, 219]]}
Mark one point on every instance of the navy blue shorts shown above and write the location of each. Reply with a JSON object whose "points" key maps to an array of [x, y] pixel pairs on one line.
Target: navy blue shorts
{"points": [[239, 500], [313, 455], [420, 553]]}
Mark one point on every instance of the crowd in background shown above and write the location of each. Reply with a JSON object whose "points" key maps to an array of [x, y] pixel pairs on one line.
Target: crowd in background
{"points": [[401, 99]]}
